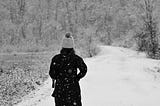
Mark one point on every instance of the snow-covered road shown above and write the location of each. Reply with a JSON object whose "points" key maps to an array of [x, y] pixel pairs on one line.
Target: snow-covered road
{"points": [[116, 77]]}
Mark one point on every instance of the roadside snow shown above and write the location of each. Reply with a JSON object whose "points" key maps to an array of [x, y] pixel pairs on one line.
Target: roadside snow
{"points": [[116, 77]]}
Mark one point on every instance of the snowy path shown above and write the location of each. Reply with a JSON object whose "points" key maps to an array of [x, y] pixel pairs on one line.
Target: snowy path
{"points": [[116, 77]]}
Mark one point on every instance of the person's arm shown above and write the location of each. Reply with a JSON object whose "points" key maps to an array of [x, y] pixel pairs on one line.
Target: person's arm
{"points": [[52, 71], [82, 68]]}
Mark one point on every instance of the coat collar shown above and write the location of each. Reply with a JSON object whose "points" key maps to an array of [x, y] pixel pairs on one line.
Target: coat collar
{"points": [[67, 51]]}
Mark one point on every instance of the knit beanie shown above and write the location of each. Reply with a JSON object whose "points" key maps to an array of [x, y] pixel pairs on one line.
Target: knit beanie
{"points": [[68, 41]]}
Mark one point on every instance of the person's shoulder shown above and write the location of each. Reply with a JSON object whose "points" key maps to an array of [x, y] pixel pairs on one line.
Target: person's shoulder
{"points": [[55, 57], [78, 57]]}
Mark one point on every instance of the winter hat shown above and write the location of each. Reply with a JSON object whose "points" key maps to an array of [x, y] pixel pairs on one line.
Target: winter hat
{"points": [[68, 41]]}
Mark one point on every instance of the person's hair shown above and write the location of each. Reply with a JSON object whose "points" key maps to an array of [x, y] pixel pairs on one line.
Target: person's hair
{"points": [[67, 51]]}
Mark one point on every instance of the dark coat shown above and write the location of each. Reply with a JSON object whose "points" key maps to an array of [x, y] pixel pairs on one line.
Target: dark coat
{"points": [[63, 70]]}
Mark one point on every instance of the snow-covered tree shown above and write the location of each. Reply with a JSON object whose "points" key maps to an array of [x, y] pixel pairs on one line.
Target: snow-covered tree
{"points": [[148, 35]]}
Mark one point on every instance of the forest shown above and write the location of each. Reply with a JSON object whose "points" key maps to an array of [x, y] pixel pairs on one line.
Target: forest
{"points": [[39, 25]]}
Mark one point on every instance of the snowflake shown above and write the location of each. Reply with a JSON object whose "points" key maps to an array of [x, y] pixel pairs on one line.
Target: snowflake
{"points": [[74, 103], [70, 71]]}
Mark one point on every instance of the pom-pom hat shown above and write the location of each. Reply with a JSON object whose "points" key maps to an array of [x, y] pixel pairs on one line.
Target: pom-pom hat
{"points": [[68, 41]]}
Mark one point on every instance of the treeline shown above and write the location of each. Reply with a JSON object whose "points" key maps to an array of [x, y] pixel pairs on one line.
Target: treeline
{"points": [[38, 25]]}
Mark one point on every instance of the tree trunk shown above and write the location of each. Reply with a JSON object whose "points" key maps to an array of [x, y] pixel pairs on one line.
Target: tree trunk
{"points": [[56, 12]]}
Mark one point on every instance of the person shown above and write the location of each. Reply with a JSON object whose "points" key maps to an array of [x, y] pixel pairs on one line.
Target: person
{"points": [[65, 75]]}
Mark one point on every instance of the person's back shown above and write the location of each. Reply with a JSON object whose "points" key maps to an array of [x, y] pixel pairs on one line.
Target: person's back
{"points": [[63, 71]]}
